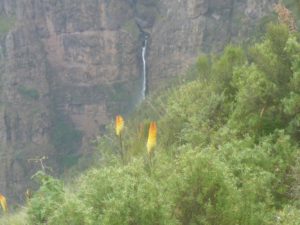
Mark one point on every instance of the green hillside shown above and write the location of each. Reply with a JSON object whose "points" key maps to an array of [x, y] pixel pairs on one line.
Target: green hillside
{"points": [[227, 150]]}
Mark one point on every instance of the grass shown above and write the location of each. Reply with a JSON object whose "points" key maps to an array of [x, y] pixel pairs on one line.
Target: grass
{"points": [[19, 218]]}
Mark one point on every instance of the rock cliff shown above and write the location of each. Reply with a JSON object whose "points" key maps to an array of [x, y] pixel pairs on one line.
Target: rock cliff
{"points": [[68, 66]]}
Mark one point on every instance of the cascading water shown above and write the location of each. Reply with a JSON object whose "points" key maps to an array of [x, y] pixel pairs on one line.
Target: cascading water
{"points": [[144, 71]]}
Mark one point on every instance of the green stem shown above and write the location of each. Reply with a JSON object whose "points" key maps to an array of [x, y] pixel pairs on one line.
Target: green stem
{"points": [[121, 149], [150, 162]]}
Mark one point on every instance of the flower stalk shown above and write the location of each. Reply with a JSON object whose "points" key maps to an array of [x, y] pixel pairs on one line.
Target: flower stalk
{"points": [[119, 130]]}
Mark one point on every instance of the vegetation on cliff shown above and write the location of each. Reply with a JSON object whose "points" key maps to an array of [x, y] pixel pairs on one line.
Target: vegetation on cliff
{"points": [[227, 150]]}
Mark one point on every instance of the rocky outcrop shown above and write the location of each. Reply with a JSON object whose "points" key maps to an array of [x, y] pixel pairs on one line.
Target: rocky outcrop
{"points": [[186, 29], [62, 65], [67, 66]]}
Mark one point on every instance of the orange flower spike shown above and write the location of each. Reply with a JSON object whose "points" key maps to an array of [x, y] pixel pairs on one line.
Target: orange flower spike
{"points": [[3, 202], [119, 125], [151, 137]]}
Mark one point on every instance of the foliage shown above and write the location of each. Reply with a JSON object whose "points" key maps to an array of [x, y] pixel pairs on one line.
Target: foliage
{"points": [[296, 175], [71, 211], [288, 216], [126, 196], [18, 218], [204, 190], [46, 200]]}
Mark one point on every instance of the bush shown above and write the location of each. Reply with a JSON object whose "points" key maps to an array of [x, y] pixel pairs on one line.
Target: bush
{"points": [[48, 198], [125, 196], [204, 190], [288, 216], [71, 211]]}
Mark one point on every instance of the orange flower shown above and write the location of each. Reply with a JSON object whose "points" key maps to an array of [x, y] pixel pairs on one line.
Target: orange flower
{"points": [[3, 202], [119, 125], [152, 137]]}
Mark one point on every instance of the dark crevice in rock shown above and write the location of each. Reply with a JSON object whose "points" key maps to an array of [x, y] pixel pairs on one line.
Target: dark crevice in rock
{"points": [[8, 128]]}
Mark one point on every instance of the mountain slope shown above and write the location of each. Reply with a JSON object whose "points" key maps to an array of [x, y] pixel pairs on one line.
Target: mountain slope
{"points": [[68, 66], [227, 153]]}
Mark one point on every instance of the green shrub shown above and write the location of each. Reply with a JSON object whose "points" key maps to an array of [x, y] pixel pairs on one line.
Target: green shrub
{"points": [[46, 200], [125, 195], [204, 191], [71, 211], [288, 216]]}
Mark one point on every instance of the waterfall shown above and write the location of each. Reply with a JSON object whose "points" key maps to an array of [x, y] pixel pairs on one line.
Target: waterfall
{"points": [[144, 72]]}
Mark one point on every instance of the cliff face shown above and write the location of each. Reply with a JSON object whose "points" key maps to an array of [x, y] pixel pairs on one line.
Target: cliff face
{"points": [[189, 28], [67, 66]]}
